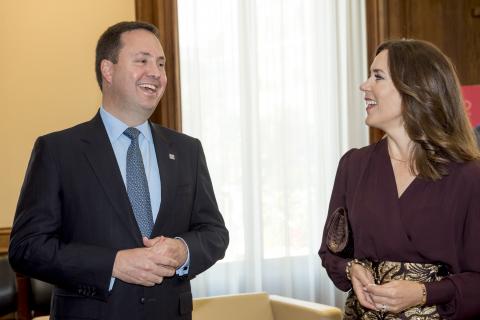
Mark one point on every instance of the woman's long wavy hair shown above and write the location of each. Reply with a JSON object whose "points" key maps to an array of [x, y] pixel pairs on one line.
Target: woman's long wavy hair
{"points": [[432, 107]]}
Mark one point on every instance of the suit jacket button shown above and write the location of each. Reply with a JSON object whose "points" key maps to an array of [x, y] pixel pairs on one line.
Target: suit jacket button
{"points": [[142, 300]]}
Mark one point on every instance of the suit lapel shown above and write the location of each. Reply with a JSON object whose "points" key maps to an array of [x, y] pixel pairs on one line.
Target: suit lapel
{"points": [[167, 165], [101, 157]]}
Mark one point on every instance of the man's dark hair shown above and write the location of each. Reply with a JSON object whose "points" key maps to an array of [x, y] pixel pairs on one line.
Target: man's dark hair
{"points": [[109, 44]]}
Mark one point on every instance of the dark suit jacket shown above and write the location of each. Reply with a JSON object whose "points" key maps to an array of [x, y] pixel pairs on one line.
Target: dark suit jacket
{"points": [[73, 215]]}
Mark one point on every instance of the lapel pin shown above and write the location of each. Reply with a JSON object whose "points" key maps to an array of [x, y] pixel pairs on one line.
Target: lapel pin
{"points": [[171, 156]]}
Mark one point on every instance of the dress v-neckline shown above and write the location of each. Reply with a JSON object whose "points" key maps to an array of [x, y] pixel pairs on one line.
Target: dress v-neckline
{"points": [[393, 178], [408, 187]]}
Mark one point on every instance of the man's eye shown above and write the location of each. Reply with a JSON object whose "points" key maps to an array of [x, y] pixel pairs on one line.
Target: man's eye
{"points": [[143, 61]]}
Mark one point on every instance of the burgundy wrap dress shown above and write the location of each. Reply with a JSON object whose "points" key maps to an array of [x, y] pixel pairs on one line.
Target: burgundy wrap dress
{"points": [[431, 222]]}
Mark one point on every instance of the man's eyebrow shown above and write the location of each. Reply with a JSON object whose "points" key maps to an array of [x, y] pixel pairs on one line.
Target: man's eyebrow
{"points": [[143, 53]]}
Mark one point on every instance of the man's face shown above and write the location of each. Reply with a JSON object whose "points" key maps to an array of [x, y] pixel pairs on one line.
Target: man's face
{"points": [[138, 79]]}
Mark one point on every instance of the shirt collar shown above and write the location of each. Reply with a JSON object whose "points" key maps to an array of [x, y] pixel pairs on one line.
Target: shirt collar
{"points": [[116, 127]]}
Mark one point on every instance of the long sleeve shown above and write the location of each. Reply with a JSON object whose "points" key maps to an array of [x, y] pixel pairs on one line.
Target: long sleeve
{"points": [[335, 265], [35, 246], [464, 303], [207, 238]]}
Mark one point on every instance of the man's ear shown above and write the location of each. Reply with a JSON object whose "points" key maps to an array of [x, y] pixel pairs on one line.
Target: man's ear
{"points": [[106, 67]]}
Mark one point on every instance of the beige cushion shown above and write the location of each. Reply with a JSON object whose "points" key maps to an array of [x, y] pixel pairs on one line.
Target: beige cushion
{"points": [[258, 306], [261, 306], [289, 309], [251, 306]]}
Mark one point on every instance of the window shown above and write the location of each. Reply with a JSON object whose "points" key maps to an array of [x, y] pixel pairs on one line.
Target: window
{"points": [[271, 89]]}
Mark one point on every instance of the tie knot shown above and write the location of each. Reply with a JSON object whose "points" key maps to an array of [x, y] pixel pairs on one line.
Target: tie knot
{"points": [[132, 133]]}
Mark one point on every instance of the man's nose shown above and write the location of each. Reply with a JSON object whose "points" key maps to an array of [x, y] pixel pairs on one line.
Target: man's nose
{"points": [[154, 70]]}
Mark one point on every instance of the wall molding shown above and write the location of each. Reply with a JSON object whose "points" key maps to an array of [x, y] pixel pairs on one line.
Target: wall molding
{"points": [[4, 239]]}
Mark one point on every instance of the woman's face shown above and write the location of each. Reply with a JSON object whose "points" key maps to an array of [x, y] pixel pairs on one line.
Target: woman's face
{"points": [[383, 101]]}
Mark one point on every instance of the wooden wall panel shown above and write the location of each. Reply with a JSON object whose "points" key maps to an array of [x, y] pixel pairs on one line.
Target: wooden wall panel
{"points": [[449, 24], [163, 14], [377, 30], [452, 25]]}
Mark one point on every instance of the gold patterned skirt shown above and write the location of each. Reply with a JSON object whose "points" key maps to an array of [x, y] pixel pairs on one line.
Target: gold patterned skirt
{"points": [[386, 271]]}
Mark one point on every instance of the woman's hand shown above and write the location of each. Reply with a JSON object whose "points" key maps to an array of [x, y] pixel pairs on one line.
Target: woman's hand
{"points": [[397, 295], [361, 279]]}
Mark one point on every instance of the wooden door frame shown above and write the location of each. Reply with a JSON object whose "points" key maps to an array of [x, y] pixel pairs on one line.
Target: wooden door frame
{"points": [[164, 15], [376, 30]]}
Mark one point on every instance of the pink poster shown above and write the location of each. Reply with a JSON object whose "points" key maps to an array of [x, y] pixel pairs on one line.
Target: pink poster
{"points": [[471, 95]]}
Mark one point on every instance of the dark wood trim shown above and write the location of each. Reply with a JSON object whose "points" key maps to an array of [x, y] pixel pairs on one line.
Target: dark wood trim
{"points": [[376, 26], [4, 239], [163, 14], [476, 12], [23, 297]]}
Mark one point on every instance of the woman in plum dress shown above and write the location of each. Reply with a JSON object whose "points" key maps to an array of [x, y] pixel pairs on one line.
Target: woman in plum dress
{"points": [[413, 198]]}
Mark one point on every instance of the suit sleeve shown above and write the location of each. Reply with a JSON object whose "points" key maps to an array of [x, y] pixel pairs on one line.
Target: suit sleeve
{"points": [[36, 248], [207, 238], [334, 264], [461, 290]]}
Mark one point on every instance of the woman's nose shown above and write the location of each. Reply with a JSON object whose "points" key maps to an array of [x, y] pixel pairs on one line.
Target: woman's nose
{"points": [[364, 86]]}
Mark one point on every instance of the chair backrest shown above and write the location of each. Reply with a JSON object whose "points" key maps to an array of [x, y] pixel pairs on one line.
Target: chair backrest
{"points": [[41, 296], [251, 306], [34, 297], [8, 288]]}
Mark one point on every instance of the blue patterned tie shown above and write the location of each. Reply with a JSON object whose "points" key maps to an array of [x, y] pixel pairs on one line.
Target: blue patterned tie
{"points": [[137, 185]]}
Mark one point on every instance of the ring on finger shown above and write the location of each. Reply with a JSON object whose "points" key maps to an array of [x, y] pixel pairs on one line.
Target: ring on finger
{"points": [[384, 307]]}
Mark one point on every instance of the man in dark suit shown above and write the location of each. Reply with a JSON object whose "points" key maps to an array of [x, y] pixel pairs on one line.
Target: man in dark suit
{"points": [[118, 212]]}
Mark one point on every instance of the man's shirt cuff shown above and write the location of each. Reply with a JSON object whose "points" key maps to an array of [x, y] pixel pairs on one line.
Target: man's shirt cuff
{"points": [[183, 270]]}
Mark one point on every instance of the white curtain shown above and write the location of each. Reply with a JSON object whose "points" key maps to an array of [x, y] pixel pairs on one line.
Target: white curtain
{"points": [[270, 87]]}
